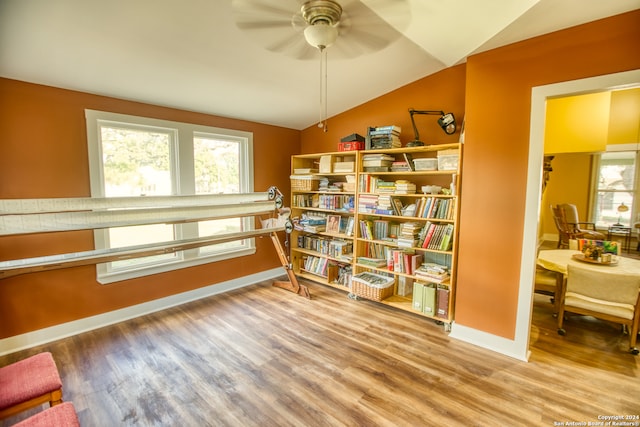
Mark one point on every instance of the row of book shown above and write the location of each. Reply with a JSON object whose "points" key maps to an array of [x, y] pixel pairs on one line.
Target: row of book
{"points": [[342, 203], [436, 236], [374, 184], [431, 299], [391, 258], [316, 265], [433, 236], [335, 248], [435, 207]]}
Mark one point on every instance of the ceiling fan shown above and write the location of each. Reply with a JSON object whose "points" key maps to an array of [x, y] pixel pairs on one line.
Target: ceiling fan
{"points": [[298, 28]]}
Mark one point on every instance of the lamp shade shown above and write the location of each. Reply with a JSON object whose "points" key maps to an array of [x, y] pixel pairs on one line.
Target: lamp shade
{"points": [[623, 207], [320, 35]]}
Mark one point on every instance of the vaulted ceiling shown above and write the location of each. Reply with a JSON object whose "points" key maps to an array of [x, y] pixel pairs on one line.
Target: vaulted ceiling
{"points": [[190, 54]]}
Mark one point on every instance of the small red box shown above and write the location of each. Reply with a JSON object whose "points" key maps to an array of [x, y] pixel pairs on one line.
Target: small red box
{"points": [[350, 146]]}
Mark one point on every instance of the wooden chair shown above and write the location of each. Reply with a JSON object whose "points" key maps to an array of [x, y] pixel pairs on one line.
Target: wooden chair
{"points": [[549, 283], [573, 220], [598, 293], [567, 231], [59, 415], [28, 383]]}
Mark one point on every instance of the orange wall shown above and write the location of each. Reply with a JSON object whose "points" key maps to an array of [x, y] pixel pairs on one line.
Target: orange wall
{"points": [[43, 153], [441, 91], [497, 106], [568, 183]]}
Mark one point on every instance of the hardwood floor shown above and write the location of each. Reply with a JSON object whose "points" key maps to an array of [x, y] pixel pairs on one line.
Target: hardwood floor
{"points": [[261, 356]]}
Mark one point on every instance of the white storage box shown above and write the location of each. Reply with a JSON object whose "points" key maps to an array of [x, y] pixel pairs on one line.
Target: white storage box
{"points": [[425, 164], [448, 160]]}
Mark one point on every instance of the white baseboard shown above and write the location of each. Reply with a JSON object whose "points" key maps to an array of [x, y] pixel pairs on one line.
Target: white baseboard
{"points": [[511, 348], [53, 333]]}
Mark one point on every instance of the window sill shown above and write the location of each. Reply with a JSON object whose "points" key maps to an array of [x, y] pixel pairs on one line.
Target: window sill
{"points": [[105, 278]]}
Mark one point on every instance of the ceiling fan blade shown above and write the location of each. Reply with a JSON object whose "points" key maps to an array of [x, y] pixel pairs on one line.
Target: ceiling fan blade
{"points": [[262, 8], [278, 25], [362, 30], [258, 25]]}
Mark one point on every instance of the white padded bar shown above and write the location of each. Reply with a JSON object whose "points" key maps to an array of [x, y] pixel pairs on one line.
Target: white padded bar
{"points": [[32, 206], [83, 220], [54, 262]]}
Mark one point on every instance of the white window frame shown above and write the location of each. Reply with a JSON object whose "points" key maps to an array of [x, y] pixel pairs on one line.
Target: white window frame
{"points": [[595, 173], [183, 183]]}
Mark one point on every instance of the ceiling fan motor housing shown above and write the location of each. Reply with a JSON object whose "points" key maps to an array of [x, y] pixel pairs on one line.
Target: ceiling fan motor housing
{"points": [[316, 11], [322, 17]]}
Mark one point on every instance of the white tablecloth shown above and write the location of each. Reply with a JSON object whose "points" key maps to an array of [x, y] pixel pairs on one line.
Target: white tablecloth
{"points": [[558, 259]]}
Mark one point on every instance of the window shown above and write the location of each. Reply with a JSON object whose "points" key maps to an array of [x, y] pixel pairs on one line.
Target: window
{"points": [[137, 156], [615, 185]]}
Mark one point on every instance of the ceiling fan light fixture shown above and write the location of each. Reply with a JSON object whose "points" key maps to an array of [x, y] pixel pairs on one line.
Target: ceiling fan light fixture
{"points": [[321, 35]]}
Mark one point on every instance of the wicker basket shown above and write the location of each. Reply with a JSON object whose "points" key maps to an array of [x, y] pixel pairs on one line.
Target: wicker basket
{"points": [[374, 292], [304, 184]]}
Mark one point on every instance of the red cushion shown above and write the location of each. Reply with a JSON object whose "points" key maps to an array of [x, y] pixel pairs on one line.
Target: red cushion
{"points": [[28, 378], [62, 415]]}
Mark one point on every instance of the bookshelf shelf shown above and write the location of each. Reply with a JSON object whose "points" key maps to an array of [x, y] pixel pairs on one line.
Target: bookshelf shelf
{"points": [[399, 221]]}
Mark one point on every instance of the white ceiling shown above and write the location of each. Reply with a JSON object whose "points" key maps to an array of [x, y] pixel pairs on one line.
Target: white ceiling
{"points": [[189, 54]]}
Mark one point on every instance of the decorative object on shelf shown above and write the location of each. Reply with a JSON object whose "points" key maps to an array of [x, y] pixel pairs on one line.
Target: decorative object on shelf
{"points": [[446, 121], [622, 208]]}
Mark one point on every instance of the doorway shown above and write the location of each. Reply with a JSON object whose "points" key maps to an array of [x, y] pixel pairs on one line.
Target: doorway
{"points": [[539, 97]]}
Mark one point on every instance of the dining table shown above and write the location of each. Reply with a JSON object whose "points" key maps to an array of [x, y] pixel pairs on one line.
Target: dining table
{"points": [[559, 259]]}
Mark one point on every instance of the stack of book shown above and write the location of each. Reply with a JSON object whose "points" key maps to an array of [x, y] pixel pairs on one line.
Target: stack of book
{"points": [[377, 162], [372, 262], [313, 223], [324, 184], [385, 205], [405, 187], [432, 272], [400, 166], [385, 187], [367, 203], [408, 236], [383, 137]]}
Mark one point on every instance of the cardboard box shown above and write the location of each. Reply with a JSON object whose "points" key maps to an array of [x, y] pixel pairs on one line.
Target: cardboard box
{"points": [[350, 146]]}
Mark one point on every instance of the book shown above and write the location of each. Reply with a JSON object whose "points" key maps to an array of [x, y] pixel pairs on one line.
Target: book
{"points": [[443, 302], [409, 159], [429, 300], [352, 137], [418, 296], [446, 242]]}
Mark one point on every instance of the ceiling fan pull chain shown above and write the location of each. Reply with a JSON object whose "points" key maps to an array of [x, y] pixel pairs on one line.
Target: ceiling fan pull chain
{"points": [[323, 89], [326, 90]]}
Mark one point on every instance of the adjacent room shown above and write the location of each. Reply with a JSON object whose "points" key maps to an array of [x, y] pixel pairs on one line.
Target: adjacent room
{"points": [[331, 212]]}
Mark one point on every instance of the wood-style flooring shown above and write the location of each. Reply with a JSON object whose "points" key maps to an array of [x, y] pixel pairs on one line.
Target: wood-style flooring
{"points": [[261, 356]]}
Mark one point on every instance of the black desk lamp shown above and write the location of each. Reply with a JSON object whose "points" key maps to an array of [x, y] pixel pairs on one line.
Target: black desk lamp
{"points": [[446, 121]]}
